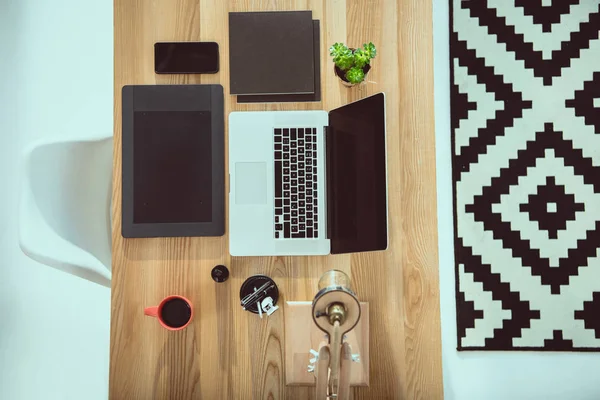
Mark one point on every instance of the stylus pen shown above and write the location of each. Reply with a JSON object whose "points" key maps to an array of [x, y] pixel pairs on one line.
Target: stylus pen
{"points": [[253, 297]]}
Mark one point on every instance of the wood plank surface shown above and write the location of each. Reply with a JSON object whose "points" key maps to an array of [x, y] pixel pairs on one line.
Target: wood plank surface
{"points": [[228, 353]]}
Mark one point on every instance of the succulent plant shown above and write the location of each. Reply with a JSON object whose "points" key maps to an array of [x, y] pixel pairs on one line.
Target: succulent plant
{"points": [[370, 50], [351, 62], [342, 56], [355, 75], [361, 58], [337, 49]]}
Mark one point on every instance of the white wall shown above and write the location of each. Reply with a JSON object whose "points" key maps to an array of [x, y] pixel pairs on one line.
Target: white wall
{"points": [[490, 375], [55, 81]]}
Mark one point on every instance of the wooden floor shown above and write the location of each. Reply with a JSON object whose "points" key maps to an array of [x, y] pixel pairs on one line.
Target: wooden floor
{"points": [[228, 353]]}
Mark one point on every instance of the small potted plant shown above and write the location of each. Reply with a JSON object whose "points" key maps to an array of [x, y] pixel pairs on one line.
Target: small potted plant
{"points": [[352, 65]]}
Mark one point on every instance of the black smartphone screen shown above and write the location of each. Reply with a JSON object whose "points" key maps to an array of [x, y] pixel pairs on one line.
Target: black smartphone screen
{"points": [[186, 58]]}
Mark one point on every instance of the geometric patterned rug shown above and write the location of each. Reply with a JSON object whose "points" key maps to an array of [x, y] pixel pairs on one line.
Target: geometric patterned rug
{"points": [[525, 98]]}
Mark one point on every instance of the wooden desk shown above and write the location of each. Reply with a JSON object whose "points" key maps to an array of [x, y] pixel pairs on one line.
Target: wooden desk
{"points": [[228, 353]]}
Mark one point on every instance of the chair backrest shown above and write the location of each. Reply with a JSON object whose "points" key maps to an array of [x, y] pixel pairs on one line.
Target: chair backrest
{"points": [[64, 216]]}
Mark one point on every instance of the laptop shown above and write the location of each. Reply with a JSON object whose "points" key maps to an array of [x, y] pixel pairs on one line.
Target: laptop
{"points": [[308, 182]]}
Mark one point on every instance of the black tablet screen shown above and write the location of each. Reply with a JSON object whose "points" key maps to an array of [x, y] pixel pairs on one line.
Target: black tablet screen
{"points": [[172, 167]]}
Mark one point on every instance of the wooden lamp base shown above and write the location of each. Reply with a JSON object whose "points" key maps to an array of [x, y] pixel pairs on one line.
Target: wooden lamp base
{"points": [[301, 335]]}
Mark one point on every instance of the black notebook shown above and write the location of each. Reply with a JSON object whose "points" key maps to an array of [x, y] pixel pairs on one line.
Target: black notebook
{"points": [[271, 52], [294, 97]]}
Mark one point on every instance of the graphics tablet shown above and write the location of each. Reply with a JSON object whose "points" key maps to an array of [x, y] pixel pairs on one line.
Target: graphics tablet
{"points": [[173, 161]]}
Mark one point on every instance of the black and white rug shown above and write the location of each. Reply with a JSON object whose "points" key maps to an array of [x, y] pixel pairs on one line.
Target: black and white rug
{"points": [[526, 170]]}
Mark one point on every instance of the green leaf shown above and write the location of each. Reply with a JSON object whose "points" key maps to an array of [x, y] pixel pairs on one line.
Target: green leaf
{"points": [[370, 50], [355, 75], [360, 58]]}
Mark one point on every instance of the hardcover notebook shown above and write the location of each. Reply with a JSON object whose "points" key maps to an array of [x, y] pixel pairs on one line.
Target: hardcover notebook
{"points": [[294, 97], [271, 52]]}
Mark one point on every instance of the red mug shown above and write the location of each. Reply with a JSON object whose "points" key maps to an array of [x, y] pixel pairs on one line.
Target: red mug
{"points": [[174, 312]]}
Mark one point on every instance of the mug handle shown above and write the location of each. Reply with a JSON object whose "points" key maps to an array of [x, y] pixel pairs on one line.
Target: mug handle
{"points": [[151, 311]]}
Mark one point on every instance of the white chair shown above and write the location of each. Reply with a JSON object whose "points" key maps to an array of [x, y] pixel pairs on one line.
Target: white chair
{"points": [[64, 210]]}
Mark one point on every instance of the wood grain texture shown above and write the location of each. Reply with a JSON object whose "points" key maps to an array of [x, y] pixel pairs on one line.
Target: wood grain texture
{"points": [[231, 354]]}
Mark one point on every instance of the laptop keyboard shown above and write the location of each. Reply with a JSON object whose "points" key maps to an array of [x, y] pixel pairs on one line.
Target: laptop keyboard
{"points": [[296, 205]]}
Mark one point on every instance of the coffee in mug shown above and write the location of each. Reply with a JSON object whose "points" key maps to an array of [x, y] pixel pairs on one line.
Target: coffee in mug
{"points": [[174, 312]]}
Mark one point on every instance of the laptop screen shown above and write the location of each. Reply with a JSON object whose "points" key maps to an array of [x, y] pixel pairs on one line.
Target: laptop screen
{"points": [[356, 177]]}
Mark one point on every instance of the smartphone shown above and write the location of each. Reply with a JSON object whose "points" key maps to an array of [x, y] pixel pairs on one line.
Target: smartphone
{"points": [[186, 57]]}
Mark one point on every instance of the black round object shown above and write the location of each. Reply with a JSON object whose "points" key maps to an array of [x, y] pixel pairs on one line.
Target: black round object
{"points": [[176, 313], [220, 273], [256, 282]]}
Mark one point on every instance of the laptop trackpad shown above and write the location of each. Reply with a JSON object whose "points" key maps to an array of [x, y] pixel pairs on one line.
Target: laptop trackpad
{"points": [[251, 183]]}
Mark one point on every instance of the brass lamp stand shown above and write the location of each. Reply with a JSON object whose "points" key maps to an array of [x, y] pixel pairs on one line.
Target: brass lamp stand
{"points": [[336, 311]]}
